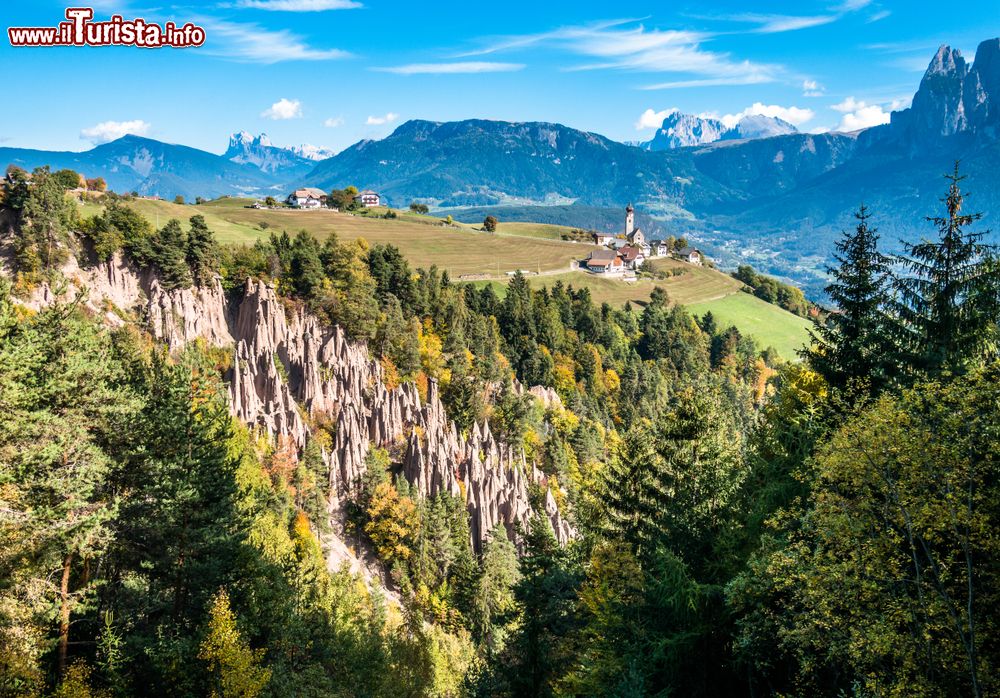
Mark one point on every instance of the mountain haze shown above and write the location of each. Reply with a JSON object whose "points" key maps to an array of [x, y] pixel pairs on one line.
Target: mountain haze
{"points": [[134, 163], [758, 191]]}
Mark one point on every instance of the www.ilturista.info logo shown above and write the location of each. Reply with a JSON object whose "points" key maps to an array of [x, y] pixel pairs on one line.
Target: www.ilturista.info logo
{"points": [[80, 30]]}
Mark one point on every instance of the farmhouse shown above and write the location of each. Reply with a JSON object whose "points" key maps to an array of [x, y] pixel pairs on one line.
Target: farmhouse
{"points": [[605, 262], [632, 256], [603, 239], [368, 198], [690, 255], [658, 248], [307, 197]]}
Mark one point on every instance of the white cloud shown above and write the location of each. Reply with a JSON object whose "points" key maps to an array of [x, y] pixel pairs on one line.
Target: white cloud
{"points": [[858, 114], [793, 115], [849, 104], [625, 45], [379, 120], [811, 88], [250, 43], [864, 117], [775, 24], [878, 16], [107, 131], [653, 119], [452, 68], [296, 5], [283, 109], [334, 122], [709, 82], [852, 5]]}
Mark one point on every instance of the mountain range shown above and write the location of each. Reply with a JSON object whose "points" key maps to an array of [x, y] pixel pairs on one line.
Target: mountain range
{"points": [[247, 149], [681, 130], [251, 165], [757, 191]]}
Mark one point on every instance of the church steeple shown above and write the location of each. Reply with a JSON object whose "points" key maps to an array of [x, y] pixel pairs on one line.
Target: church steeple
{"points": [[629, 219]]}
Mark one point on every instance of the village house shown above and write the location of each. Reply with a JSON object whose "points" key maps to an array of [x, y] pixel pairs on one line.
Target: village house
{"points": [[603, 239], [658, 248], [690, 255], [632, 256], [307, 197], [368, 198], [605, 262]]}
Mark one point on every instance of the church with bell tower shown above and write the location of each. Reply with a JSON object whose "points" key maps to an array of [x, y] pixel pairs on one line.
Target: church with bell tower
{"points": [[633, 234]]}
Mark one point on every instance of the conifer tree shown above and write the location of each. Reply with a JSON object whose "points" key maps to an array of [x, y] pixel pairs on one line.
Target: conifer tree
{"points": [[46, 217], [202, 250], [63, 407], [169, 250], [854, 343], [948, 304], [306, 268]]}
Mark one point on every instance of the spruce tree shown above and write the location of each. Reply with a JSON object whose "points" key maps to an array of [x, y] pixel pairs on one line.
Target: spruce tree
{"points": [[64, 412], [853, 345], [948, 304], [169, 250], [306, 269], [202, 251]]}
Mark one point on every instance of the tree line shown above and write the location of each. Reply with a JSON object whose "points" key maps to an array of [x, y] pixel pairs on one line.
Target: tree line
{"points": [[746, 524]]}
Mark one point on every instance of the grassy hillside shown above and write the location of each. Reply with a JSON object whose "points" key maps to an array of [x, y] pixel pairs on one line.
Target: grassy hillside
{"points": [[463, 250], [768, 324], [459, 249], [701, 290]]}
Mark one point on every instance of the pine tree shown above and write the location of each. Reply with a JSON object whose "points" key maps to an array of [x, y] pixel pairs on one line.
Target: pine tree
{"points": [[305, 268], [633, 493], [854, 344], [948, 306], [181, 533], [64, 409], [46, 217], [202, 251], [169, 250]]}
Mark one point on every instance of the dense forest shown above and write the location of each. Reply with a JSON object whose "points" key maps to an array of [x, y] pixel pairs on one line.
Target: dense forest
{"points": [[745, 524]]}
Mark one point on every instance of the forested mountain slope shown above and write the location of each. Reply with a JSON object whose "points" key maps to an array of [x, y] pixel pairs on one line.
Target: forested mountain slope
{"points": [[195, 443]]}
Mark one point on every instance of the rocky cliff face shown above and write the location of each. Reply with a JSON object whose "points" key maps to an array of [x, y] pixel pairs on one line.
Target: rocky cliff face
{"points": [[681, 130], [259, 152], [954, 98], [323, 373], [289, 369]]}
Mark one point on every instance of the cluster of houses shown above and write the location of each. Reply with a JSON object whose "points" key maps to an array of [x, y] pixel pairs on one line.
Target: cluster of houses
{"points": [[311, 197], [629, 252]]}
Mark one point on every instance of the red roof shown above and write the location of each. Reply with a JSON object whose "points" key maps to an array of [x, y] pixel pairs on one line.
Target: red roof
{"points": [[629, 253]]}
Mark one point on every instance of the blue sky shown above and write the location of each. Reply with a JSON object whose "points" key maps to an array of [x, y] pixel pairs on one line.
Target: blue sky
{"points": [[330, 72]]}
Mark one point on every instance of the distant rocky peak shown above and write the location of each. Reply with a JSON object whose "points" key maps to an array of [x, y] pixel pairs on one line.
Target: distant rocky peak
{"points": [[987, 68], [244, 140], [680, 130], [759, 126], [313, 152], [953, 98], [949, 62]]}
